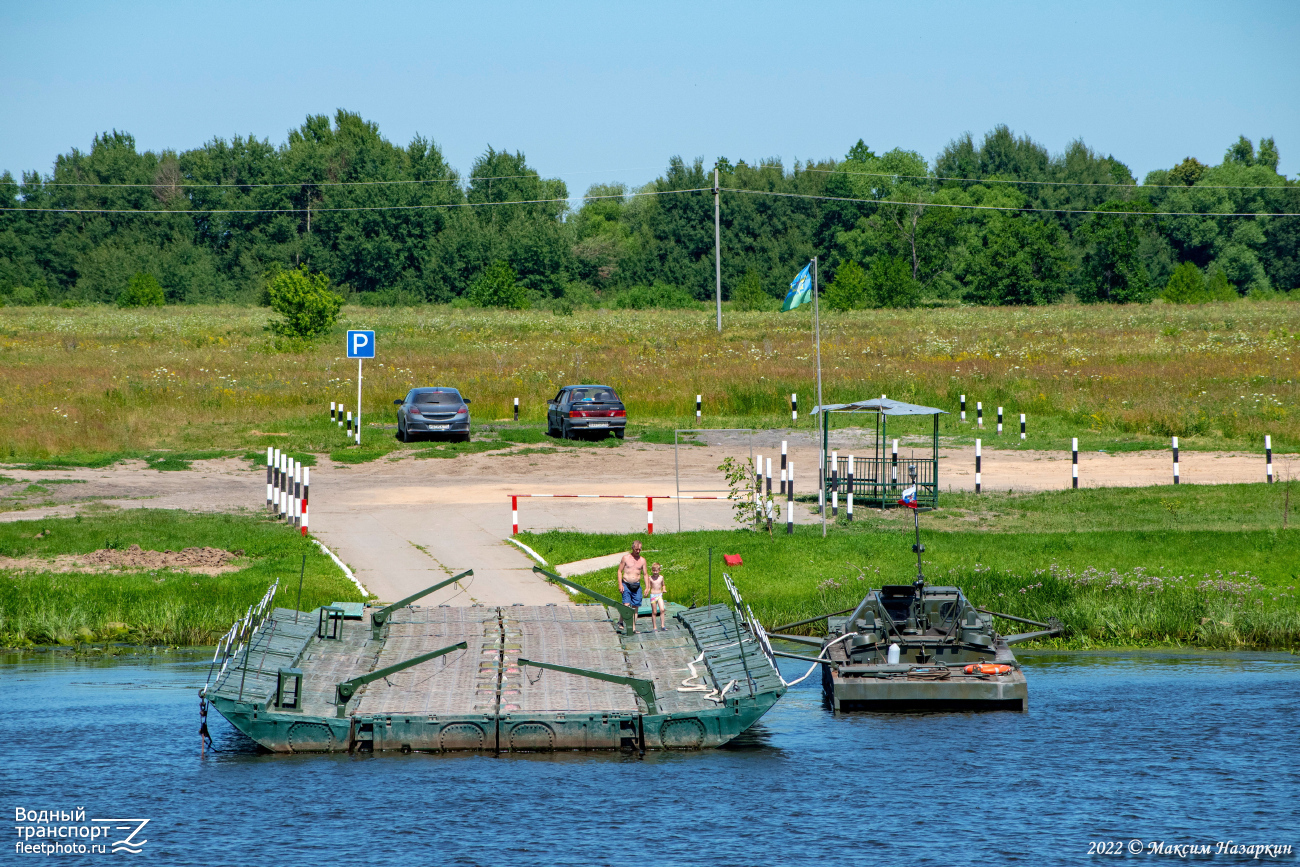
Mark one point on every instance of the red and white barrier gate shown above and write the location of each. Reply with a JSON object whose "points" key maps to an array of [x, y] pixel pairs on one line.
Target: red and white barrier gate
{"points": [[649, 504]]}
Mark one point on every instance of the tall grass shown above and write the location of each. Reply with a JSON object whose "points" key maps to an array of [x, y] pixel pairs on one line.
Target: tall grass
{"points": [[97, 380]]}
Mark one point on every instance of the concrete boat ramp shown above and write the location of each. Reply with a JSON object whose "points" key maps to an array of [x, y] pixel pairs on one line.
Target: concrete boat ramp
{"points": [[492, 679]]}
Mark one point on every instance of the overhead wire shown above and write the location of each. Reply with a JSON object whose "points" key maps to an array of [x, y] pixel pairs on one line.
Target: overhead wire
{"points": [[1006, 207], [315, 210]]}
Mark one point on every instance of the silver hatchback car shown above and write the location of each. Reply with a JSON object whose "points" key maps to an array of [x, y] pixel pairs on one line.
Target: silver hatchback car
{"points": [[433, 410]]}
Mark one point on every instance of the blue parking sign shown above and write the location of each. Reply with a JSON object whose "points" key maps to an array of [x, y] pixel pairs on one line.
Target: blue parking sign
{"points": [[361, 344]]}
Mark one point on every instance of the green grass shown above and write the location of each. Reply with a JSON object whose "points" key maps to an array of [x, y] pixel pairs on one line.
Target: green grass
{"points": [[1149, 576], [160, 607]]}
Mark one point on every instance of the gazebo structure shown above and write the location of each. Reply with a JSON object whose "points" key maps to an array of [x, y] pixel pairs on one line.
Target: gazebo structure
{"points": [[879, 478]]}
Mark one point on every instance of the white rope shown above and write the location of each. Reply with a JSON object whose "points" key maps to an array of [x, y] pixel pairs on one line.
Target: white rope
{"points": [[817, 665]]}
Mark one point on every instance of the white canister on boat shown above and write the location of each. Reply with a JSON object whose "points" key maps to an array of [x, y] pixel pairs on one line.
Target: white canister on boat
{"points": [[892, 657]]}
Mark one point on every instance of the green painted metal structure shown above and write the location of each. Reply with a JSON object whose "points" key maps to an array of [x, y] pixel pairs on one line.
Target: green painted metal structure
{"points": [[491, 679], [877, 480]]}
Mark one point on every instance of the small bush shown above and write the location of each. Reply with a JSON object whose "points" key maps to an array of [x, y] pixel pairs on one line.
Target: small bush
{"points": [[848, 291], [749, 295], [142, 291], [497, 286], [1186, 285], [891, 284], [309, 307]]}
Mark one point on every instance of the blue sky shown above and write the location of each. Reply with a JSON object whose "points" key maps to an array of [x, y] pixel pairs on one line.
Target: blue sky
{"points": [[599, 92]]}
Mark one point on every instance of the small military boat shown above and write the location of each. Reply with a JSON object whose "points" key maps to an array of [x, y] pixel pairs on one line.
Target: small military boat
{"points": [[915, 647]]}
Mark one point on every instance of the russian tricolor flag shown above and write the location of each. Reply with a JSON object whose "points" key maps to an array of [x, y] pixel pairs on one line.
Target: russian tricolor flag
{"points": [[909, 498]]}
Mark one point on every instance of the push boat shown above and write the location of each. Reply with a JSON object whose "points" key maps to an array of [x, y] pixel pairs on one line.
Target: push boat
{"points": [[356, 677], [913, 647]]}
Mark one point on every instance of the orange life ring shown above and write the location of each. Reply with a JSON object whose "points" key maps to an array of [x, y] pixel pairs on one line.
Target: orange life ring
{"points": [[987, 668]]}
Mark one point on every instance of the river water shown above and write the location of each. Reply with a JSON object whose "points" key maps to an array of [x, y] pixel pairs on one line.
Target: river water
{"points": [[1157, 747]]}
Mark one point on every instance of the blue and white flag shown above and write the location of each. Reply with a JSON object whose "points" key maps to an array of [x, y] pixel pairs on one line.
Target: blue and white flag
{"points": [[800, 289]]}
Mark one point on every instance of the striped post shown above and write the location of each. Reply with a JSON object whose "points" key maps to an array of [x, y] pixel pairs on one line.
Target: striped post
{"points": [[758, 491], [290, 499], [999, 421], [649, 516], [339, 419], [783, 465], [1268, 457], [1175, 460], [279, 486], [789, 500], [514, 516], [270, 455], [275, 485], [699, 399], [977, 466], [979, 414], [767, 502], [332, 410], [835, 484], [893, 469], [1074, 462], [849, 502], [297, 494], [794, 408], [963, 409], [516, 409], [349, 427], [306, 488], [1022, 425]]}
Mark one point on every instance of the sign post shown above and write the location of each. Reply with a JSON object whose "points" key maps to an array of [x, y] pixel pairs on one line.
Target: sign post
{"points": [[361, 344]]}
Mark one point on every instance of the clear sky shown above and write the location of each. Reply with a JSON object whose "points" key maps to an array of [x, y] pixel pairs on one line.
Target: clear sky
{"points": [[610, 91]]}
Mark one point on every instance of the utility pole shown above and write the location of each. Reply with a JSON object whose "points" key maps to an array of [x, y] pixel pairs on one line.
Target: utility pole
{"points": [[717, 245]]}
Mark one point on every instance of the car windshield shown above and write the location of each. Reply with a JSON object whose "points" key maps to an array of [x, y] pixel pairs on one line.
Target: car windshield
{"points": [[599, 394], [437, 398]]}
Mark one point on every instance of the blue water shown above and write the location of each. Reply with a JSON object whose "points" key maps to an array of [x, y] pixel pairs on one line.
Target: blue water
{"points": [[1121, 746]]}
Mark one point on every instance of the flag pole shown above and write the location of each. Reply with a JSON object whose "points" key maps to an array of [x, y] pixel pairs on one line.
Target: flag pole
{"points": [[817, 341]]}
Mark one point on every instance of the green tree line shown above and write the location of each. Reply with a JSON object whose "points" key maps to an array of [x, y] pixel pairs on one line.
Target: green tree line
{"points": [[398, 225]]}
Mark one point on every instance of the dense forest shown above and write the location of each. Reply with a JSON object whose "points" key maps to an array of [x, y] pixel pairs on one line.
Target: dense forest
{"points": [[398, 225]]}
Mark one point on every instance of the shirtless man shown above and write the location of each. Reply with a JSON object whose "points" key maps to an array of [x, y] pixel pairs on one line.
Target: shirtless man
{"points": [[631, 570]]}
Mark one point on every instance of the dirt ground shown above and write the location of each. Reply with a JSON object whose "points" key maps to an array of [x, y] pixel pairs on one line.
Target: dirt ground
{"points": [[404, 523], [201, 561]]}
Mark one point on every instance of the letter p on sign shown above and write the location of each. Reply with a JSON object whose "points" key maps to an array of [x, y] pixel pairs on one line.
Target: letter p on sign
{"points": [[361, 344]]}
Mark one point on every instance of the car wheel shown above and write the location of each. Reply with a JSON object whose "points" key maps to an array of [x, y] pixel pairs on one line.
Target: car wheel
{"points": [[401, 435], [619, 433], [464, 437], [566, 433]]}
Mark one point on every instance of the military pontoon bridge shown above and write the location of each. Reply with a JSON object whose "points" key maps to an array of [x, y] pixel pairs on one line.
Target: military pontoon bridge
{"points": [[349, 677]]}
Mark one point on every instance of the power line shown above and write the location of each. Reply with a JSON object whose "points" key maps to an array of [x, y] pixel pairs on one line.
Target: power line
{"points": [[535, 176], [1001, 208], [188, 211], [1053, 183]]}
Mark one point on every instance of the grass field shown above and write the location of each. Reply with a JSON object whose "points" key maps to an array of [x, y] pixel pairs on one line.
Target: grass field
{"points": [[160, 607], [94, 384], [1206, 566]]}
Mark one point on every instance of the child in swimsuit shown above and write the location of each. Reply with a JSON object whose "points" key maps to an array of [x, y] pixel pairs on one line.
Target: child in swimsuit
{"points": [[657, 604]]}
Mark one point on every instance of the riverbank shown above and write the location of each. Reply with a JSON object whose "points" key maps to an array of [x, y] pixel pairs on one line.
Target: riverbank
{"points": [[63, 583], [1208, 566]]}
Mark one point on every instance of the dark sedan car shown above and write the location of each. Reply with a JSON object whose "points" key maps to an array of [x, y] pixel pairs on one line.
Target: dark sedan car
{"points": [[585, 408], [433, 411]]}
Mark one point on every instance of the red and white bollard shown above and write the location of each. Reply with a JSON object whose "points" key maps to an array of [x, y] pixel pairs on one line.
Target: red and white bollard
{"points": [[306, 488], [649, 516], [514, 516]]}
